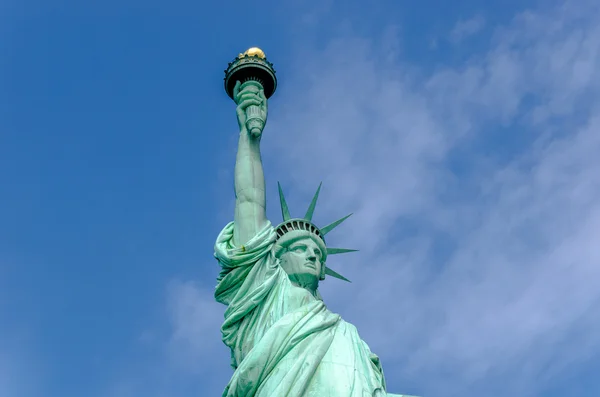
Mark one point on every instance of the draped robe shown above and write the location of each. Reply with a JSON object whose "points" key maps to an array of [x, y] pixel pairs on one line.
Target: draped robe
{"points": [[283, 340]]}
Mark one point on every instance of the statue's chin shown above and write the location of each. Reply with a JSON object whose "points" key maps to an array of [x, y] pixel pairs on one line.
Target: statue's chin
{"points": [[305, 280]]}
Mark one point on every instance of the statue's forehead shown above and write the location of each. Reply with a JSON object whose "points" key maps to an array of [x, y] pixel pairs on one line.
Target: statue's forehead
{"points": [[309, 241], [304, 240]]}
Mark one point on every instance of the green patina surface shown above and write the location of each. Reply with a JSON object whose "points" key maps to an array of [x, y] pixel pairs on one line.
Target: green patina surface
{"points": [[284, 341]]}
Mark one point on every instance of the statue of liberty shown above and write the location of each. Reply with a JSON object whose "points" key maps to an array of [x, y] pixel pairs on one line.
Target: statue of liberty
{"points": [[284, 341]]}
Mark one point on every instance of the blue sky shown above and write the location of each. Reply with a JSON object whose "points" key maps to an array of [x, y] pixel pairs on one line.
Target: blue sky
{"points": [[464, 137]]}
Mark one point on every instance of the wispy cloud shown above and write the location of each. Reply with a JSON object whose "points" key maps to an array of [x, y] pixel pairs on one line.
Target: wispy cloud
{"points": [[189, 358], [490, 266], [466, 28], [476, 200], [5, 386], [195, 318], [17, 367]]}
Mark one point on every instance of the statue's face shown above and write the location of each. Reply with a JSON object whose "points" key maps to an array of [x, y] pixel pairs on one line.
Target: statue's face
{"points": [[303, 258]]}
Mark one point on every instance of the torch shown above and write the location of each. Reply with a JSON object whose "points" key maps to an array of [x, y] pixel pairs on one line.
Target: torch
{"points": [[251, 65]]}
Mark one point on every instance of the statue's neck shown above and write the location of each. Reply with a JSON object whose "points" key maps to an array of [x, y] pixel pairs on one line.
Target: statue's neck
{"points": [[306, 281]]}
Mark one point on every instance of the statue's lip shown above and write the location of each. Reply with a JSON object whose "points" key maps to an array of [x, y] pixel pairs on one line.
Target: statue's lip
{"points": [[312, 265]]}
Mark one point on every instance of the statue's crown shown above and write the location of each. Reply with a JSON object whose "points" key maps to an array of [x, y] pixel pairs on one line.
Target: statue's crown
{"points": [[290, 224]]}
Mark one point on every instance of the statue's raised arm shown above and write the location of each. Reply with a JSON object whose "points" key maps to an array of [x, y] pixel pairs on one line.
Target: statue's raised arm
{"points": [[249, 180]]}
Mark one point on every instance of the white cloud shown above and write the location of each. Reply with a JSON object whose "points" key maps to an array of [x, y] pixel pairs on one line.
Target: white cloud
{"points": [[195, 319], [5, 383], [189, 359], [467, 281], [466, 28], [521, 275], [17, 368]]}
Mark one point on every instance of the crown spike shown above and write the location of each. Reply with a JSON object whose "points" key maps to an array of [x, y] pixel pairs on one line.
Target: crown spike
{"points": [[331, 226], [313, 204], [332, 273], [333, 251], [285, 212]]}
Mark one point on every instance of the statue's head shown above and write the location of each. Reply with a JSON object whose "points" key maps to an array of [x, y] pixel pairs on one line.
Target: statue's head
{"points": [[302, 256], [300, 246]]}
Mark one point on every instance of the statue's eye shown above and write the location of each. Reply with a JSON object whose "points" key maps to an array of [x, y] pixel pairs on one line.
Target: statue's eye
{"points": [[298, 249]]}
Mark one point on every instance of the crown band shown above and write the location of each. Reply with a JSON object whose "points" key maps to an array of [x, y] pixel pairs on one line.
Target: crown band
{"points": [[297, 224]]}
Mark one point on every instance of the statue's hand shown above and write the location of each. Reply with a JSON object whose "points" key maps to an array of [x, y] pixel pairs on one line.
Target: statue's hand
{"points": [[250, 93]]}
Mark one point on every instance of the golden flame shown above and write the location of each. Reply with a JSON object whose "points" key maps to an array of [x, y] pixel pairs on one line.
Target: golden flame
{"points": [[254, 51]]}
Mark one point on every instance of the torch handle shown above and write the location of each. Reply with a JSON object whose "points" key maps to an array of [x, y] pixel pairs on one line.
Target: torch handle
{"points": [[254, 120]]}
